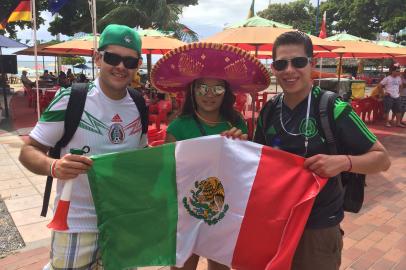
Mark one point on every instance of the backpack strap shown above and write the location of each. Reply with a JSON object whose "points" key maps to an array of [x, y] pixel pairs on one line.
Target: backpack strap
{"points": [[326, 110], [73, 115], [142, 108], [266, 113]]}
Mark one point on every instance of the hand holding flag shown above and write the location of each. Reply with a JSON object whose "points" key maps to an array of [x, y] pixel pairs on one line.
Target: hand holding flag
{"points": [[59, 222]]}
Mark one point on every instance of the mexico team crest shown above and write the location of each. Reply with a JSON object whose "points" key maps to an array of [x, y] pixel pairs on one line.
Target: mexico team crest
{"points": [[116, 133], [207, 201]]}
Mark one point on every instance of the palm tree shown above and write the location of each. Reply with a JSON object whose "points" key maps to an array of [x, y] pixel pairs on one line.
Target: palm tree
{"points": [[156, 14]]}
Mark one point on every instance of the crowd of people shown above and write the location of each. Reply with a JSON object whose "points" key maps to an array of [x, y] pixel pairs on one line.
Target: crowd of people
{"points": [[48, 78], [284, 123]]}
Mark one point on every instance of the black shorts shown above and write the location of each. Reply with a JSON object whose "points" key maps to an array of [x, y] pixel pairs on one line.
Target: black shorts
{"points": [[402, 106], [390, 103]]}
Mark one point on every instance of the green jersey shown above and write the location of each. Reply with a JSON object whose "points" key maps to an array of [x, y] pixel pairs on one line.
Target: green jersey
{"points": [[186, 127]]}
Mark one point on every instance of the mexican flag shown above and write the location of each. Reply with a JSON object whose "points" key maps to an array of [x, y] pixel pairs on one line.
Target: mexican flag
{"points": [[236, 202]]}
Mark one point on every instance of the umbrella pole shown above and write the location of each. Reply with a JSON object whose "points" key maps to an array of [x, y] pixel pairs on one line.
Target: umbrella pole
{"points": [[149, 64], [321, 68], [3, 86], [339, 72], [34, 20], [253, 97]]}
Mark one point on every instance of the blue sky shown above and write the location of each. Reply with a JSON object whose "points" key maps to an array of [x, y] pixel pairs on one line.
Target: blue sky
{"points": [[206, 18]]}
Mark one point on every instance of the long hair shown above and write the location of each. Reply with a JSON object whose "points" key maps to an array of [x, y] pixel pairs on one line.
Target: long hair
{"points": [[226, 109]]}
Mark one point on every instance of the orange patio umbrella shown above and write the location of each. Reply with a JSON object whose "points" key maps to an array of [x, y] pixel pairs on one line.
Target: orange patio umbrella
{"points": [[261, 38], [157, 42], [41, 51], [151, 44], [73, 47], [360, 49]]}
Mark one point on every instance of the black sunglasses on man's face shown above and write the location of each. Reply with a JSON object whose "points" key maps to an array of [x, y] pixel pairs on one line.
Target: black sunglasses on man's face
{"points": [[115, 59], [297, 62]]}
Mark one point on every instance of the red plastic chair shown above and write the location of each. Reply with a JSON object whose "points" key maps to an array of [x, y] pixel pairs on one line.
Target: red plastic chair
{"points": [[156, 143], [240, 103], [261, 100], [250, 127], [164, 107], [156, 135]]}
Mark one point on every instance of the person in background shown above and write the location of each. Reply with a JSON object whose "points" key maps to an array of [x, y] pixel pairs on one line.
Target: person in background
{"points": [[70, 77], [62, 81], [209, 84], [391, 100], [403, 97], [26, 82], [46, 76], [289, 122]]}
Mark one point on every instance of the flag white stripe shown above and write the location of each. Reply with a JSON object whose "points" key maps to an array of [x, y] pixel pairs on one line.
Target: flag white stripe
{"points": [[236, 173]]}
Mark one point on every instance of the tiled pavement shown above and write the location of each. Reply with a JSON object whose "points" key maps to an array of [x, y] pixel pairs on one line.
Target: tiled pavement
{"points": [[374, 239]]}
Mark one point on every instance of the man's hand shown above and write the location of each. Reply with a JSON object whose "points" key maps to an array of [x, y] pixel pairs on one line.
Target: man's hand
{"points": [[235, 133], [327, 165], [70, 166]]}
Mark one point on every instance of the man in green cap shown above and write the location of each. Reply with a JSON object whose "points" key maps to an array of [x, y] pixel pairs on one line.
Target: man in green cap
{"points": [[110, 122]]}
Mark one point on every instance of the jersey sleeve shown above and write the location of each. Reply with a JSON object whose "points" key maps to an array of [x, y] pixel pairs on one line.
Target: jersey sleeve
{"points": [[175, 129], [352, 132], [50, 127], [242, 126], [259, 135]]}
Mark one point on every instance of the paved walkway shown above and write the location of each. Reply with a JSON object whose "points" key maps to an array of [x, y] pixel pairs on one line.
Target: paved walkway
{"points": [[374, 239]]}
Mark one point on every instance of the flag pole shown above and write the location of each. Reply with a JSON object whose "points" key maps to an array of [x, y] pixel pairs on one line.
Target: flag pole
{"points": [[317, 18], [94, 29], [34, 22]]}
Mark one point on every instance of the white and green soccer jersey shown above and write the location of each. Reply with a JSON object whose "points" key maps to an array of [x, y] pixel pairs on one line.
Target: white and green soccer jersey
{"points": [[106, 126]]}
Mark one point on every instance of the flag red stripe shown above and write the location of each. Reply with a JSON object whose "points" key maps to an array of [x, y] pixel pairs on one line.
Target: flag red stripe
{"points": [[276, 212], [23, 6]]}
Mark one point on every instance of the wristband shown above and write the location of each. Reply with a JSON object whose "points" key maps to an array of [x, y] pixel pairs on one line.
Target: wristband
{"points": [[53, 168], [349, 159]]}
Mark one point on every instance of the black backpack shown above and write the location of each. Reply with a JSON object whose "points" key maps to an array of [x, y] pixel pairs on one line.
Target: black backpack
{"points": [[73, 115], [351, 184]]}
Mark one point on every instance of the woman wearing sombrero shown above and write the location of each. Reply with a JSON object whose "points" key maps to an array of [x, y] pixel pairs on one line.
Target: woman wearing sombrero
{"points": [[209, 74]]}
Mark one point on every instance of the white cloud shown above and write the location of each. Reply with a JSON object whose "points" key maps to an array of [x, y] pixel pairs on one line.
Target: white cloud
{"points": [[210, 16]]}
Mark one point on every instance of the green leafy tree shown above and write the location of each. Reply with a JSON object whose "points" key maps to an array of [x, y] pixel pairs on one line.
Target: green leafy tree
{"points": [[157, 14], [365, 18], [300, 14], [73, 60]]}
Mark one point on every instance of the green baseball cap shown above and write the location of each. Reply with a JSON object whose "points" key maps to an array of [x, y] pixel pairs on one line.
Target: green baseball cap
{"points": [[121, 35]]}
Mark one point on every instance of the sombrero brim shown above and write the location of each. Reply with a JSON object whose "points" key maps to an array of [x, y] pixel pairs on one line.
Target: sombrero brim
{"points": [[181, 66]]}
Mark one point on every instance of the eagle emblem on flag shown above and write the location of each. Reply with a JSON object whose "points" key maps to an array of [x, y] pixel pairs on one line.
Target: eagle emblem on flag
{"points": [[207, 201]]}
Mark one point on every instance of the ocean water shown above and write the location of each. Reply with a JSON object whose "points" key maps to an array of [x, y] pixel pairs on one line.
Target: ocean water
{"points": [[51, 66]]}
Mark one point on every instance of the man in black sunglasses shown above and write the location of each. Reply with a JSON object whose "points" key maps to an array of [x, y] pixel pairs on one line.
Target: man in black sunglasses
{"points": [[111, 122], [291, 122]]}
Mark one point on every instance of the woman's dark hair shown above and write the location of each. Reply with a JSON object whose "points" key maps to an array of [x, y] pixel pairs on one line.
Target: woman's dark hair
{"points": [[226, 108]]}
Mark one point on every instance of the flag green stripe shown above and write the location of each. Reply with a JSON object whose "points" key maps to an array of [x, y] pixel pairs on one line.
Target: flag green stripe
{"points": [[127, 229]]}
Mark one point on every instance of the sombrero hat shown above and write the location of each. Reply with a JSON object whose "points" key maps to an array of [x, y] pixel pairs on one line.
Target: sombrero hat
{"points": [[181, 66]]}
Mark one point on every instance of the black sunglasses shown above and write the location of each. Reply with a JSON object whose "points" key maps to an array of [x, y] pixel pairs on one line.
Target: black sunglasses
{"points": [[297, 62], [115, 60]]}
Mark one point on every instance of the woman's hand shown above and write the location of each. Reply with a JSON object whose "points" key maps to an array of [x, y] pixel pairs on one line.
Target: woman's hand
{"points": [[235, 133]]}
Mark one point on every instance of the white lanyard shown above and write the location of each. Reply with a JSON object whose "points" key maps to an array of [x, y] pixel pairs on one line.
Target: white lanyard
{"points": [[306, 142]]}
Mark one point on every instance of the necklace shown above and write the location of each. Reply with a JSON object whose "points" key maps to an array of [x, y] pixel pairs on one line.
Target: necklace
{"points": [[211, 122], [306, 142]]}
